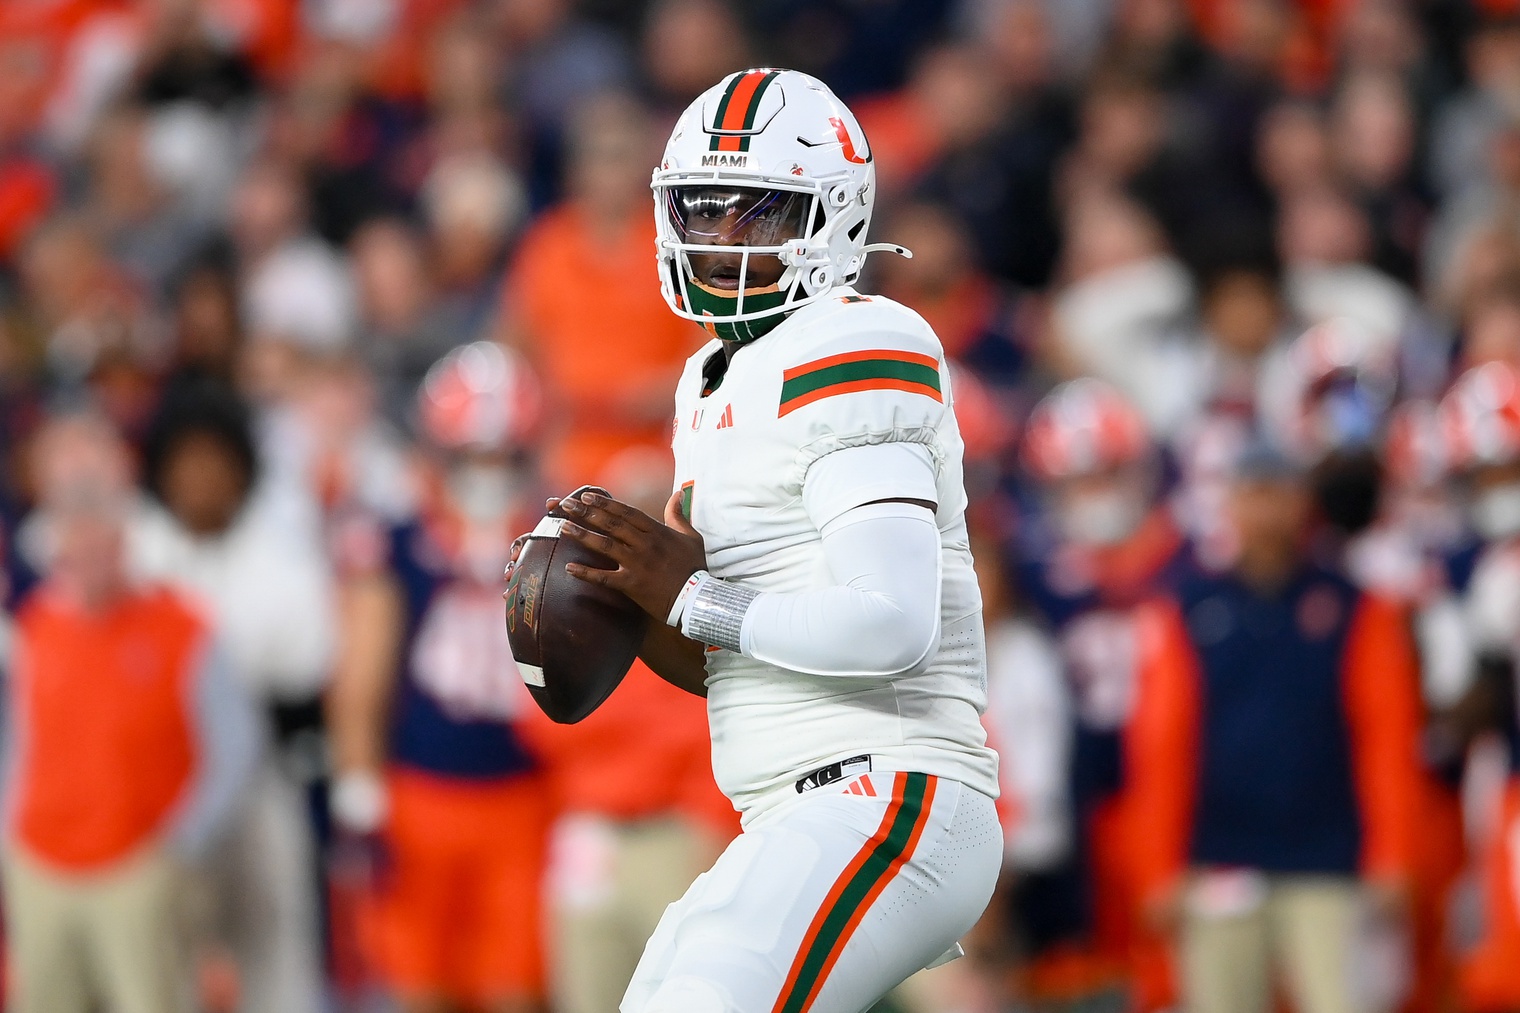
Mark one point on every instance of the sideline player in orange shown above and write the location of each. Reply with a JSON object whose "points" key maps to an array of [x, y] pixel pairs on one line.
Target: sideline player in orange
{"points": [[1481, 420], [1114, 546], [434, 782]]}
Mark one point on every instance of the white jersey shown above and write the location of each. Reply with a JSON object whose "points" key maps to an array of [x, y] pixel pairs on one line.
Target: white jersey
{"points": [[847, 371]]}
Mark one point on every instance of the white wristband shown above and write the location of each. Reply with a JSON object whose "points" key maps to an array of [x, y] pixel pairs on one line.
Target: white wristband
{"points": [[715, 613], [679, 605]]}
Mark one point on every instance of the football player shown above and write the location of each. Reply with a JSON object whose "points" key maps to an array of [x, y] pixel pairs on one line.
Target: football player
{"points": [[438, 800], [1115, 545], [1480, 419], [811, 577]]}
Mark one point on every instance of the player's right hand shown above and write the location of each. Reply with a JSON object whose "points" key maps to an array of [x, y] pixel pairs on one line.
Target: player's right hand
{"points": [[654, 559]]}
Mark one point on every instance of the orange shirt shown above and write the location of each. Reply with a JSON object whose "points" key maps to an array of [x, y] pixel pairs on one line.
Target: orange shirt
{"points": [[101, 705], [596, 327], [643, 753]]}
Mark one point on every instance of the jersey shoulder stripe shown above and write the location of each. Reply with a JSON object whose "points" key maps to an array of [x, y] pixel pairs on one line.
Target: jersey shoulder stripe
{"points": [[849, 372]]}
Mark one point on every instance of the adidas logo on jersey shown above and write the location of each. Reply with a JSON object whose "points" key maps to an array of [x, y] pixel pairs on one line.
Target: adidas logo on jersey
{"points": [[727, 418]]}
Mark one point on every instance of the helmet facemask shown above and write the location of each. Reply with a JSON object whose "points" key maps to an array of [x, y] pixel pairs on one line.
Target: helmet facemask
{"points": [[738, 255]]}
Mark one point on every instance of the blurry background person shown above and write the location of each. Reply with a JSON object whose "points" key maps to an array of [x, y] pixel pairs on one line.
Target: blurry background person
{"points": [[270, 598], [1274, 751], [580, 306], [1110, 544], [130, 738], [439, 802], [1481, 420]]}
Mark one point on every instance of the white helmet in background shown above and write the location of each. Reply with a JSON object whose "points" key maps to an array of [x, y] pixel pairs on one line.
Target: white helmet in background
{"points": [[766, 163]]}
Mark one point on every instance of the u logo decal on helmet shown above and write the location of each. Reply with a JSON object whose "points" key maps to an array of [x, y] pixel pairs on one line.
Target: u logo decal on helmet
{"points": [[846, 145]]}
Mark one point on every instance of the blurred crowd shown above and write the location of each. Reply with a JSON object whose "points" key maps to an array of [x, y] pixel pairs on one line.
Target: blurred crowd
{"points": [[305, 305]]}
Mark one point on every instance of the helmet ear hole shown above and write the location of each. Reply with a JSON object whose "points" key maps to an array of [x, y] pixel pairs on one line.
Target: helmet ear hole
{"points": [[839, 196], [821, 278]]}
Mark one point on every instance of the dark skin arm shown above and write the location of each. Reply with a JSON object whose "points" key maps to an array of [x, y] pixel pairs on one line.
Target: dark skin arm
{"points": [[654, 560], [678, 660]]}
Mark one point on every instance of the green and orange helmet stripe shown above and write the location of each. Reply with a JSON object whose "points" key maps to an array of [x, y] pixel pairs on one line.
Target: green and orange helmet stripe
{"points": [[737, 110]]}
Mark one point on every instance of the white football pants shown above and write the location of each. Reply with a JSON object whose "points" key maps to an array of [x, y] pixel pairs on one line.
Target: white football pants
{"points": [[827, 902]]}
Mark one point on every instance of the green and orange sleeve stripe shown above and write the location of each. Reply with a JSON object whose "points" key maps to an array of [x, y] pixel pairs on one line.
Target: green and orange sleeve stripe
{"points": [[737, 109], [856, 889], [871, 369]]}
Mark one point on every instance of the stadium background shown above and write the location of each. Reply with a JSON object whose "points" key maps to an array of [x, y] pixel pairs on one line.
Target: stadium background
{"points": [[298, 206]]}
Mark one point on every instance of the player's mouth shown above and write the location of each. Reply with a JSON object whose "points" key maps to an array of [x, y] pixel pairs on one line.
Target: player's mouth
{"points": [[724, 276]]}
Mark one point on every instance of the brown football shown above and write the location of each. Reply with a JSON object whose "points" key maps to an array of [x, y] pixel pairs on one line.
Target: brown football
{"points": [[573, 641]]}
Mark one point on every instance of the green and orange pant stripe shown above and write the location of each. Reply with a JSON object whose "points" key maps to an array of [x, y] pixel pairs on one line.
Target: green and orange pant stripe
{"points": [[869, 369], [857, 888], [737, 109]]}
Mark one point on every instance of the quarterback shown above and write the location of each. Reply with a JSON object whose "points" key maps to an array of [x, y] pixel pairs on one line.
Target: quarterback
{"points": [[811, 577]]}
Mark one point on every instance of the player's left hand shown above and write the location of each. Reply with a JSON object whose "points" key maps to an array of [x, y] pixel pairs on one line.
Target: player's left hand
{"points": [[654, 559]]}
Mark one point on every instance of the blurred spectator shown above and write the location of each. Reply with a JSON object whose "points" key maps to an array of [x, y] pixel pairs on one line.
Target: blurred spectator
{"points": [[141, 226], [1274, 752], [440, 806], [404, 333], [1293, 149], [1236, 373], [609, 362], [1413, 554], [133, 741], [1490, 200], [1325, 242], [80, 304], [687, 45], [1466, 125], [553, 60], [271, 601], [207, 329], [1481, 420], [1492, 332], [1109, 545], [1125, 301], [297, 293], [1373, 130], [994, 155], [473, 206]]}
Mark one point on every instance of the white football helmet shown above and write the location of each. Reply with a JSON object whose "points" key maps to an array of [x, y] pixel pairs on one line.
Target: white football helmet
{"points": [[766, 163]]}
